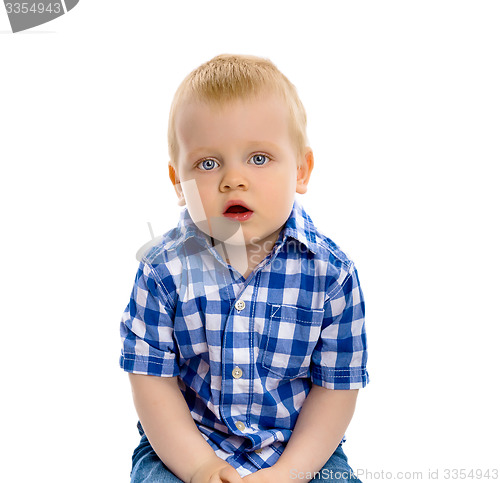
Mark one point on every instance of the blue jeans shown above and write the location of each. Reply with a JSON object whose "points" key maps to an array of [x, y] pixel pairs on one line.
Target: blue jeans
{"points": [[148, 468]]}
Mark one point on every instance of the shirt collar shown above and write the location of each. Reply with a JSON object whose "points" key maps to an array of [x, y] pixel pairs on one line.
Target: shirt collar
{"points": [[187, 229], [298, 226]]}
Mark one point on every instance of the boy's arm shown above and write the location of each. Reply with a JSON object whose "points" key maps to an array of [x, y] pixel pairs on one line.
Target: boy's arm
{"points": [[172, 432], [321, 424]]}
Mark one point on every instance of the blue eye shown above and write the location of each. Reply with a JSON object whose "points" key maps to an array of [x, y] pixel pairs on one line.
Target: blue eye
{"points": [[208, 164], [259, 159]]}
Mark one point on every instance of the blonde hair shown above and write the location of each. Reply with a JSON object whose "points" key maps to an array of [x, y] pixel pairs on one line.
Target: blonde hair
{"points": [[227, 78]]}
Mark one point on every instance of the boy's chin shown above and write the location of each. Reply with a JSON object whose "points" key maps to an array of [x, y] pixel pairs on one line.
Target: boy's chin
{"points": [[223, 230]]}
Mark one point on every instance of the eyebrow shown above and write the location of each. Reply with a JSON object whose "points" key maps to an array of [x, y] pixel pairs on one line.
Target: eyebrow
{"points": [[197, 150], [264, 143]]}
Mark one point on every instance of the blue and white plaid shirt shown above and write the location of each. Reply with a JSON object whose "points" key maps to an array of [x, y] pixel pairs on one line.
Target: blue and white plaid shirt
{"points": [[247, 351]]}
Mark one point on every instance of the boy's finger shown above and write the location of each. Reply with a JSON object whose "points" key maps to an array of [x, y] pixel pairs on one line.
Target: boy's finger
{"points": [[230, 475]]}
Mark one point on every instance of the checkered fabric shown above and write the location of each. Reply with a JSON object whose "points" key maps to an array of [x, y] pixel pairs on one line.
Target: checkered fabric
{"points": [[247, 351]]}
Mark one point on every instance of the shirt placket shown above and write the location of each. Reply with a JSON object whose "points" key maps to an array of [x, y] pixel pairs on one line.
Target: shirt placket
{"points": [[236, 365], [237, 353]]}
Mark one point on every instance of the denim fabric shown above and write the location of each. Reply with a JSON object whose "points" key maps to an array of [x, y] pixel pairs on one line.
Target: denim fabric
{"points": [[148, 468]]}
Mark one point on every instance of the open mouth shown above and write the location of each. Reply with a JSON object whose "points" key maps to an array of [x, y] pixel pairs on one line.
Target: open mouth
{"points": [[237, 209], [238, 212]]}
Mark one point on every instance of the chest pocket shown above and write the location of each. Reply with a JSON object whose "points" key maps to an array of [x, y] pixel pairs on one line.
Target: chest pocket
{"points": [[289, 338]]}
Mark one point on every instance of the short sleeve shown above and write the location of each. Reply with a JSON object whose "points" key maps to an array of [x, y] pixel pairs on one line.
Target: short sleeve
{"points": [[339, 358], [146, 328]]}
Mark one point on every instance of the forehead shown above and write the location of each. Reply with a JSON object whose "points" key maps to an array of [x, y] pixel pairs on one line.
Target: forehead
{"points": [[265, 117]]}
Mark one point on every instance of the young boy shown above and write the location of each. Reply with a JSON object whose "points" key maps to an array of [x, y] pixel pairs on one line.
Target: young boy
{"points": [[244, 336]]}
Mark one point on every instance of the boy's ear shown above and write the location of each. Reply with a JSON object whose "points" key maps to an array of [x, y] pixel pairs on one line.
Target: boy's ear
{"points": [[304, 171], [177, 184]]}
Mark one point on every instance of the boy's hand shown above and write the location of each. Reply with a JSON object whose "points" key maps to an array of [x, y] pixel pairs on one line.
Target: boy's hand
{"points": [[267, 475], [216, 470]]}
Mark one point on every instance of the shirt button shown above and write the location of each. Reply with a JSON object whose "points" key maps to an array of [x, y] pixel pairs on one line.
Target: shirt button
{"points": [[237, 372], [240, 425], [240, 305]]}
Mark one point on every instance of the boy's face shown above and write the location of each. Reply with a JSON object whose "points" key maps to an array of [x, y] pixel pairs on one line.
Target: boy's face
{"points": [[239, 154]]}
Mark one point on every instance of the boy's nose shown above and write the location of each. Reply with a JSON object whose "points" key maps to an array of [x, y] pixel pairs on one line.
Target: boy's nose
{"points": [[233, 179]]}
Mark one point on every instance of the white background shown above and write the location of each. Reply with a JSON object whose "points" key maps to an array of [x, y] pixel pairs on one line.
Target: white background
{"points": [[403, 105]]}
